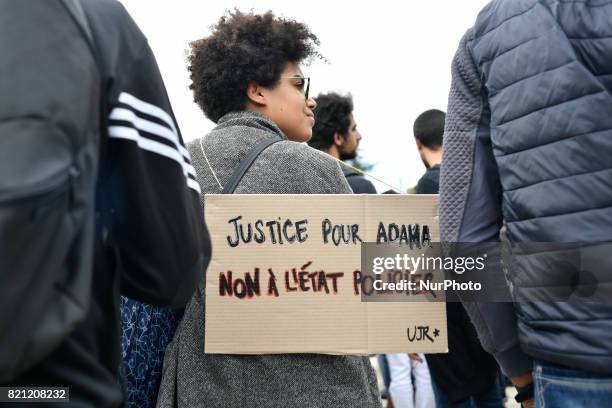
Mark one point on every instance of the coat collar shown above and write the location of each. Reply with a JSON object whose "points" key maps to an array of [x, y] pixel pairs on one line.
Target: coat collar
{"points": [[250, 119]]}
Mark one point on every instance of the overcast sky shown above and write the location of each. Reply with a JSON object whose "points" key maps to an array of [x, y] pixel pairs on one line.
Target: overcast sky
{"points": [[393, 57]]}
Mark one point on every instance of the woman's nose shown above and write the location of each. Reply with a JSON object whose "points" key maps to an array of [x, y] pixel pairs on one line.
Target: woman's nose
{"points": [[311, 103]]}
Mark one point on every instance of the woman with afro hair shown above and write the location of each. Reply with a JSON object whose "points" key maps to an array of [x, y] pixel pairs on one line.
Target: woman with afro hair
{"points": [[246, 78]]}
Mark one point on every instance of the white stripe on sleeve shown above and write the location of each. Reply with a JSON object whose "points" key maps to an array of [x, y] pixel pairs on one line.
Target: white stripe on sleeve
{"points": [[129, 133], [147, 108], [150, 127]]}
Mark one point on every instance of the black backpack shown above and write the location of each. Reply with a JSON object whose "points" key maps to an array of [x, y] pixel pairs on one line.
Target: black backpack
{"points": [[50, 121]]}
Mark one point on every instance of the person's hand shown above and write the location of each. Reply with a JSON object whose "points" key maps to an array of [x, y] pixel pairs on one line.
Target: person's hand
{"points": [[529, 404], [522, 381], [415, 357]]}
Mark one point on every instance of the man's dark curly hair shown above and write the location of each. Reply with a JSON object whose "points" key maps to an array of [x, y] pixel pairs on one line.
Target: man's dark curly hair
{"points": [[244, 48], [331, 116]]}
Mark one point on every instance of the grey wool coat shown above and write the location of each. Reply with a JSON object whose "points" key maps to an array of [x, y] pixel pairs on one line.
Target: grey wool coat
{"points": [[194, 379]]}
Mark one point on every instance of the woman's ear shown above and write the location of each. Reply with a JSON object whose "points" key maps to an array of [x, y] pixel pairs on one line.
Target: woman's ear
{"points": [[256, 94]]}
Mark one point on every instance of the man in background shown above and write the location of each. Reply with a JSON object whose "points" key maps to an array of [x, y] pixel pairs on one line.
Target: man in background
{"points": [[428, 131], [335, 132]]}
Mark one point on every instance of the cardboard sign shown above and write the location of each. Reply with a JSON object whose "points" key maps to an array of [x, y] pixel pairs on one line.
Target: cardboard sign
{"points": [[282, 278]]}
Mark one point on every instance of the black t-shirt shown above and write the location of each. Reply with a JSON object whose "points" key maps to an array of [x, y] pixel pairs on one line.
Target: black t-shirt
{"points": [[430, 182]]}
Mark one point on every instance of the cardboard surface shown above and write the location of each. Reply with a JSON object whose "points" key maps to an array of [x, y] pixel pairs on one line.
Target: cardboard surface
{"points": [[316, 307]]}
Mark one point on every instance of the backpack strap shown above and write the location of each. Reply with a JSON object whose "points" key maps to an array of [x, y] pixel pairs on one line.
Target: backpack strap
{"points": [[246, 163]]}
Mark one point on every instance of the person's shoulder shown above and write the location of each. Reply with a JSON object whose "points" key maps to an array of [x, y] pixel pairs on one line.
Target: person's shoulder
{"points": [[298, 149], [106, 9], [193, 148], [300, 154], [360, 184], [113, 26], [193, 145], [220, 138], [315, 171], [496, 12], [429, 183]]}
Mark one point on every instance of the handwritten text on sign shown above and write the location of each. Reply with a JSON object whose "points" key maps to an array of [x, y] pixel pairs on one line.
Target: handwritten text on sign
{"points": [[285, 274]]}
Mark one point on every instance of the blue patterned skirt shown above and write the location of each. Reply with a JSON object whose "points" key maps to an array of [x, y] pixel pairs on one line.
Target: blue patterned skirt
{"points": [[146, 332]]}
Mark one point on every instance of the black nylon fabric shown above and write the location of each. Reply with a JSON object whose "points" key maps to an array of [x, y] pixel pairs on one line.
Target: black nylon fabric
{"points": [[48, 166], [150, 241]]}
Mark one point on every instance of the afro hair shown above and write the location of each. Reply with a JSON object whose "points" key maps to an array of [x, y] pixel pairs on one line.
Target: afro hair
{"points": [[244, 48]]}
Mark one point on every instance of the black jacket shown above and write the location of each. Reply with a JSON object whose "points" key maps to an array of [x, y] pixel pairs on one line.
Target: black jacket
{"points": [[358, 183], [149, 237], [430, 182]]}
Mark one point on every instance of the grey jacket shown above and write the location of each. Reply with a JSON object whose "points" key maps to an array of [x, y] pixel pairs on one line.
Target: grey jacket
{"points": [[194, 379], [528, 141]]}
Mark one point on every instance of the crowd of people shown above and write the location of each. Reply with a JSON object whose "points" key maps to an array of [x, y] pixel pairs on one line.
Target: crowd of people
{"points": [[104, 243]]}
